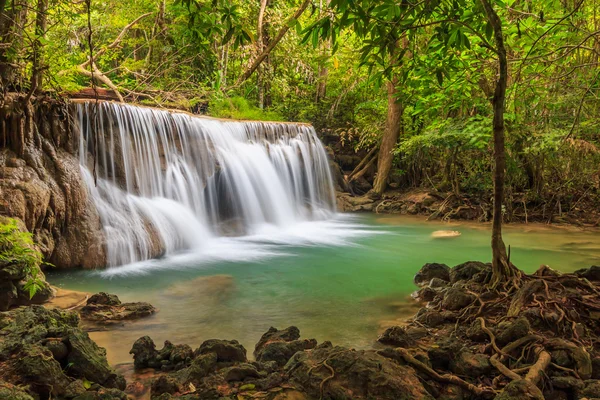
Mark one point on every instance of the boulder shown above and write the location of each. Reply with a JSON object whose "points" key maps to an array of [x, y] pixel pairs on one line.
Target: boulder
{"points": [[396, 336], [456, 299], [164, 384], [430, 271], [280, 345], [471, 365], [106, 308], [88, 361], [170, 357], [240, 372], [520, 390], [358, 375], [49, 353], [226, 350], [592, 273], [12, 392], [200, 368], [591, 389], [511, 331], [469, 270]]}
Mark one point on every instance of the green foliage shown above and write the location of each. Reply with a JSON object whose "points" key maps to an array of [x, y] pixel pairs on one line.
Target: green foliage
{"points": [[240, 108], [17, 247]]}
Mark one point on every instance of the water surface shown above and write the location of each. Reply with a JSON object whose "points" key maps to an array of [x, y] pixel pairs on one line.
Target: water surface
{"points": [[341, 280]]}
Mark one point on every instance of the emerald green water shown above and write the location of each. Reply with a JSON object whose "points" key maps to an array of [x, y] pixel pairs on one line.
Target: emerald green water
{"points": [[343, 291]]}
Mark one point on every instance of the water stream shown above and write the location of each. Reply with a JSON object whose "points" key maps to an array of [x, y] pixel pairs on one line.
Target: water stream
{"points": [[230, 227], [343, 291]]}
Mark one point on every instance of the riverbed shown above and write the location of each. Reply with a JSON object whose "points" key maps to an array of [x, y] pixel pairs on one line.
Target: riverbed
{"points": [[342, 281]]}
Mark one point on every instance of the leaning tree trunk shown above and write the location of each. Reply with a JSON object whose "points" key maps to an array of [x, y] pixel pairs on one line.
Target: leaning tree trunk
{"points": [[390, 137], [502, 270]]}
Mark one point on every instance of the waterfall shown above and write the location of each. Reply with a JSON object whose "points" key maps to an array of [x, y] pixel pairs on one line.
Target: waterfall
{"points": [[165, 182]]}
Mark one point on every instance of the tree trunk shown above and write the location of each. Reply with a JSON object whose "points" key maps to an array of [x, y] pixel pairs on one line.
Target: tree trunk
{"points": [[286, 27], [41, 22], [502, 270], [323, 70], [390, 137], [262, 42]]}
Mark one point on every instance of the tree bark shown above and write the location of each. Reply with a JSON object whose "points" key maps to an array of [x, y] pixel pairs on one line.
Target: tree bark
{"points": [[390, 137], [265, 53], [41, 24], [262, 42], [502, 270]]}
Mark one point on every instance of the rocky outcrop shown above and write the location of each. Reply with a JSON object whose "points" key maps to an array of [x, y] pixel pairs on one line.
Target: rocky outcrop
{"points": [[219, 370], [40, 182], [107, 308], [47, 355]]}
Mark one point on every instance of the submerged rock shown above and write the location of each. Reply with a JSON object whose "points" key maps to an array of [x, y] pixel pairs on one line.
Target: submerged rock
{"points": [[106, 308]]}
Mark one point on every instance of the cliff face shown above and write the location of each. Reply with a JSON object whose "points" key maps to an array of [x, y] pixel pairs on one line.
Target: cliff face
{"points": [[41, 184]]}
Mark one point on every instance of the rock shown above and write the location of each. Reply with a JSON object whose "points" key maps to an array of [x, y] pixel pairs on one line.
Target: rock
{"points": [[47, 351], [280, 346], [513, 331], [430, 318], [456, 299], [87, 360], [596, 368], [359, 375], [430, 271], [164, 384], [592, 389], [472, 365], [12, 392], [592, 273], [37, 367], [226, 350], [240, 372], [567, 382], [200, 367], [58, 348], [104, 299], [445, 234], [8, 295], [170, 357], [475, 332], [106, 308], [442, 355], [520, 390], [396, 336], [144, 353], [468, 270], [425, 294], [437, 283]]}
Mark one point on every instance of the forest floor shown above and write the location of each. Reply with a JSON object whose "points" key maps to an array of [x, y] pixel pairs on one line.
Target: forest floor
{"points": [[447, 206]]}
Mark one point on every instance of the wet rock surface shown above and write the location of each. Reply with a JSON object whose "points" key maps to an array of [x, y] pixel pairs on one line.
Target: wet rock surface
{"points": [[107, 308], [47, 355]]}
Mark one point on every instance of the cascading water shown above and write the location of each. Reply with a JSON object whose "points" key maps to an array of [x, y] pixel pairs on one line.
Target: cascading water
{"points": [[165, 181]]}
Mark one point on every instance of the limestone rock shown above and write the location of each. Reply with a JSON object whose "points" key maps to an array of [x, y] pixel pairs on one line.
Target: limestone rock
{"points": [[280, 346], [430, 271], [106, 308], [226, 350], [359, 375]]}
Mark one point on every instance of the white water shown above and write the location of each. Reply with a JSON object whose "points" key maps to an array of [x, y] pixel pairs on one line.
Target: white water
{"points": [[169, 183]]}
